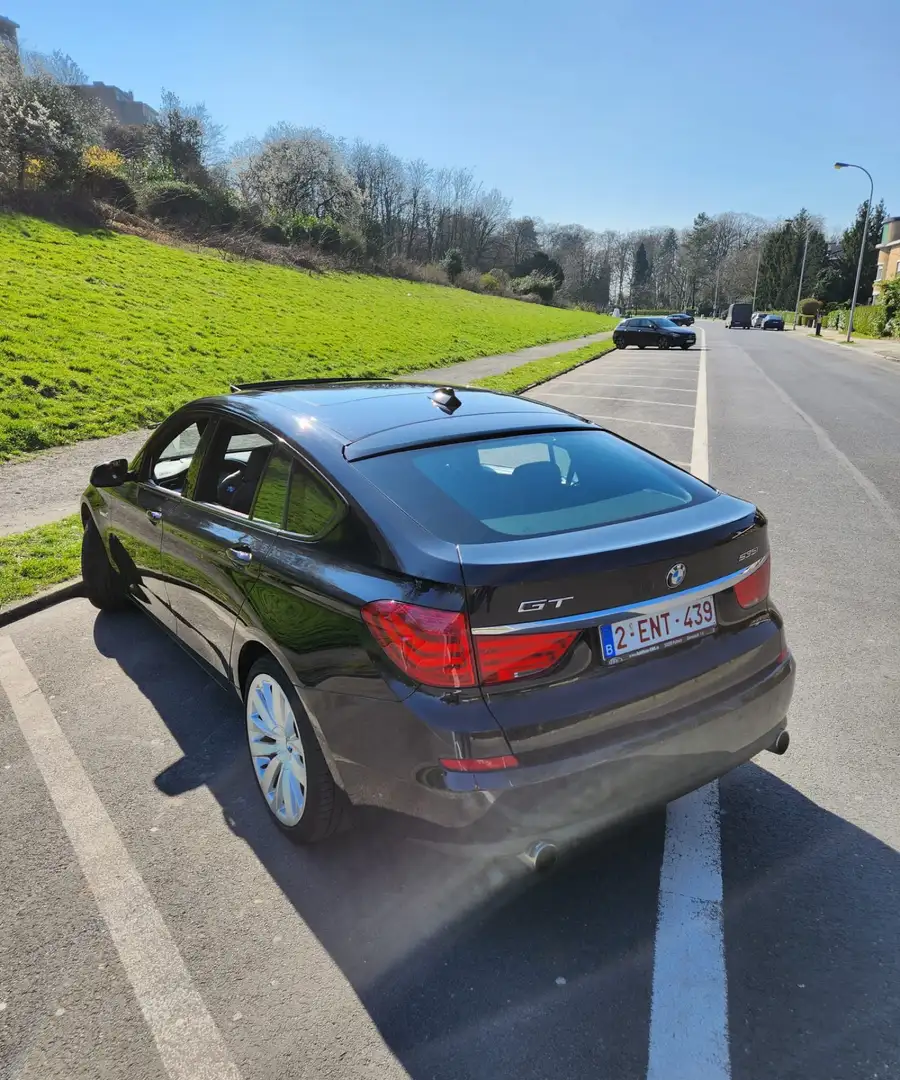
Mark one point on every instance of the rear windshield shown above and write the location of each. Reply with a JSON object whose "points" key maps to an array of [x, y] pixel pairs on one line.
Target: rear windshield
{"points": [[531, 485]]}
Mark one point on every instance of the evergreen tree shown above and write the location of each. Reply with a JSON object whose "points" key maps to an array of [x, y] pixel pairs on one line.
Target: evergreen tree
{"points": [[839, 273], [782, 259], [641, 278]]}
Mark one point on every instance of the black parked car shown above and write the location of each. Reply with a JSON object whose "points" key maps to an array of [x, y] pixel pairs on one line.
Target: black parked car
{"points": [[475, 609], [681, 318], [772, 322], [652, 330]]}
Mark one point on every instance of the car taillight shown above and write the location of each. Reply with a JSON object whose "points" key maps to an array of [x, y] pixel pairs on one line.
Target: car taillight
{"points": [[755, 588], [432, 647], [502, 659], [435, 648], [480, 764]]}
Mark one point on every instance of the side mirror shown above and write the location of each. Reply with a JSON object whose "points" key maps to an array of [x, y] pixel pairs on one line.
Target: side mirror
{"points": [[111, 474]]}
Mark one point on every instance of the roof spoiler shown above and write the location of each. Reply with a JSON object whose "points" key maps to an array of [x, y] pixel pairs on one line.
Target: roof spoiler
{"points": [[283, 384]]}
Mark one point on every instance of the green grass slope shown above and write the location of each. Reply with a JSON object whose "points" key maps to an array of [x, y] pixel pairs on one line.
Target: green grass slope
{"points": [[102, 333]]}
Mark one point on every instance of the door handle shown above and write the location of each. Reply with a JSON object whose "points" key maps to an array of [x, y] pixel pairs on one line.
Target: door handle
{"points": [[155, 516], [240, 555]]}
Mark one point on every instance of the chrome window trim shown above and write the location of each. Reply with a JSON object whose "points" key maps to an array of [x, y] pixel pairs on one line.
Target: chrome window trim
{"points": [[608, 615]]}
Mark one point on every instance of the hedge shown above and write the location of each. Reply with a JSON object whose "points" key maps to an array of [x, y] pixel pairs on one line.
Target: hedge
{"points": [[867, 320]]}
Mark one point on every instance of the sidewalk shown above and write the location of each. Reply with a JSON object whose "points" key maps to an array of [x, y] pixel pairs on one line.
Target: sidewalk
{"points": [[46, 486], [888, 348]]}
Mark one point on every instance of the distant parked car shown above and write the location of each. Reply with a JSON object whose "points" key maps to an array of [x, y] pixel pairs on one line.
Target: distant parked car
{"points": [[772, 322], [659, 332], [738, 315], [682, 318], [757, 318]]}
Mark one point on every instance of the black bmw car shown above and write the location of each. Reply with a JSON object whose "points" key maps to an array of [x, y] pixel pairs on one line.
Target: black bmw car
{"points": [[473, 609], [681, 318], [652, 330]]}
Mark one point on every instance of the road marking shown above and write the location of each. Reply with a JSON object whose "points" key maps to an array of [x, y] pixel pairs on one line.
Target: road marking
{"points": [[700, 446], [884, 508], [629, 420], [634, 400], [634, 386], [186, 1036], [689, 1007]]}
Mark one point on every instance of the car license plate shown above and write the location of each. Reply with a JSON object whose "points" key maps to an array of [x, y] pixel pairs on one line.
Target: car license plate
{"points": [[646, 633]]}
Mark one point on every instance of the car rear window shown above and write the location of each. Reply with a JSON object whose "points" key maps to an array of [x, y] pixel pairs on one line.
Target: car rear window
{"points": [[531, 485]]}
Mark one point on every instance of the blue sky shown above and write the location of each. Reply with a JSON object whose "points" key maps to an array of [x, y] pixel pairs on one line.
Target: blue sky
{"points": [[613, 115]]}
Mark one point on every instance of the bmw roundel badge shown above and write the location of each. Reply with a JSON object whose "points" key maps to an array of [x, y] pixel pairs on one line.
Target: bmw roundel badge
{"points": [[676, 575]]}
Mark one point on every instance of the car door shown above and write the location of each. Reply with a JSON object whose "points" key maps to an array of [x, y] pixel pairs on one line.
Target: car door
{"points": [[643, 329], [632, 332], [213, 539], [140, 506]]}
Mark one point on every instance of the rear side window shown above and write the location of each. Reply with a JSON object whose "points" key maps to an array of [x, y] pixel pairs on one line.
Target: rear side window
{"points": [[312, 508], [291, 498], [531, 485], [271, 494]]}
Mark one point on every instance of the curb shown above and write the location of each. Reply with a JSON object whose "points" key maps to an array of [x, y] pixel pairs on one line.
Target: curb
{"points": [[559, 374], [550, 378], [23, 608]]}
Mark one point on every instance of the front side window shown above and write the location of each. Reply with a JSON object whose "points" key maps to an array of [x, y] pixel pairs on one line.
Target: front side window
{"points": [[171, 464], [233, 468]]}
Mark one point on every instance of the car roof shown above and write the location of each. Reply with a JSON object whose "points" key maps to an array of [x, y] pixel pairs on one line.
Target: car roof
{"points": [[370, 417]]}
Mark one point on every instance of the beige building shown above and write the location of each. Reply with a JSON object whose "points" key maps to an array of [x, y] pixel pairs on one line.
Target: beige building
{"points": [[888, 254]]}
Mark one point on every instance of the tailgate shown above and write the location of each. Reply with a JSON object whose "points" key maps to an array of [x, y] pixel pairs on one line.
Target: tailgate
{"points": [[571, 586]]}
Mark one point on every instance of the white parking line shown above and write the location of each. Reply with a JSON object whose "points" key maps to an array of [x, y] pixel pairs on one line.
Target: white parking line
{"points": [[630, 374], [186, 1036], [633, 400], [689, 1009], [634, 420], [692, 390]]}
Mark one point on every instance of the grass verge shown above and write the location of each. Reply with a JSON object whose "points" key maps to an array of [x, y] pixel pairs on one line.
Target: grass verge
{"points": [[103, 333], [38, 558], [527, 375]]}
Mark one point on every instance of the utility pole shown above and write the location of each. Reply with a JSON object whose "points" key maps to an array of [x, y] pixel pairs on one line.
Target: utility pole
{"points": [[802, 271], [756, 280]]}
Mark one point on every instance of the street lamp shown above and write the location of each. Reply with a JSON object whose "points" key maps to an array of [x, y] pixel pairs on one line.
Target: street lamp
{"points": [[865, 234]]}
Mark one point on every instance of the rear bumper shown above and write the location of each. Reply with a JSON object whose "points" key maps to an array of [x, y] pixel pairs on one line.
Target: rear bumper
{"points": [[579, 795]]}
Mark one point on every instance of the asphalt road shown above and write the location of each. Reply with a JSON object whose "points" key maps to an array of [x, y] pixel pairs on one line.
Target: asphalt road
{"points": [[168, 914]]}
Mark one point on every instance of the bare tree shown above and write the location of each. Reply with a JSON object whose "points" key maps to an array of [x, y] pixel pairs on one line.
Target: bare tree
{"points": [[296, 171], [58, 66]]}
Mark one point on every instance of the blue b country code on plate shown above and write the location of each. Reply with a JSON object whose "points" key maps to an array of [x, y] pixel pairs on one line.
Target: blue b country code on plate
{"points": [[644, 632]]}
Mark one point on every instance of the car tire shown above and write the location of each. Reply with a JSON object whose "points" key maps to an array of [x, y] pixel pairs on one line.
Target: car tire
{"points": [[663, 343], [300, 768], [102, 584], [619, 344]]}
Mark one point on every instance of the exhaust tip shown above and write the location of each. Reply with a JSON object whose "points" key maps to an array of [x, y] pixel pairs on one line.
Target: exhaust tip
{"points": [[541, 856], [781, 743]]}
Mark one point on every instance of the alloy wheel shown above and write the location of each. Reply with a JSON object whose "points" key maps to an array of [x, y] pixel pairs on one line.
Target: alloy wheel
{"points": [[276, 748]]}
